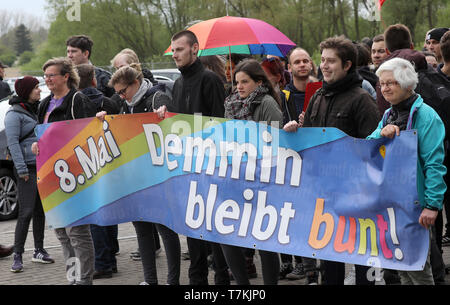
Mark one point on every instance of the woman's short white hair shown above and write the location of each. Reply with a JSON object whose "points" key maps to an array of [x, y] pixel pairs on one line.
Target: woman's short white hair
{"points": [[403, 72]]}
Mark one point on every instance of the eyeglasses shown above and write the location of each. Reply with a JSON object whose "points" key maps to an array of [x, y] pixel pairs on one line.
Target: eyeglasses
{"points": [[388, 84], [122, 91], [50, 75]]}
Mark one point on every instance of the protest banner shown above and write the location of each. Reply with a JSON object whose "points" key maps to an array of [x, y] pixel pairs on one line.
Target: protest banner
{"points": [[316, 192]]}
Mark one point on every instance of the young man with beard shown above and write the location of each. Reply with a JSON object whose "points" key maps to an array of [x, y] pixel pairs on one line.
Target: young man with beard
{"points": [[433, 42], [378, 51], [341, 103], [197, 90], [300, 65]]}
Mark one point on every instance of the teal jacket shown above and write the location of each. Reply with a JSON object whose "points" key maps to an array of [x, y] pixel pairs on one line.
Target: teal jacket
{"points": [[430, 168]]}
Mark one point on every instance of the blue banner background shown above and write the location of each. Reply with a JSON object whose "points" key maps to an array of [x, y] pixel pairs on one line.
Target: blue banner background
{"points": [[350, 175]]}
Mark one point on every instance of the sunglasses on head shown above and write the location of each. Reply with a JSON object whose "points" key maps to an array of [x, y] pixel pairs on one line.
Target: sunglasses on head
{"points": [[270, 59]]}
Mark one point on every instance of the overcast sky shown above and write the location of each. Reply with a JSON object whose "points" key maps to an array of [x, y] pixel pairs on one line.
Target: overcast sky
{"points": [[32, 7]]}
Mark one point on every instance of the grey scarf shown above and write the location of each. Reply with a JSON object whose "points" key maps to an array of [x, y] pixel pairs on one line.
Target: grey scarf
{"points": [[145, 85]]}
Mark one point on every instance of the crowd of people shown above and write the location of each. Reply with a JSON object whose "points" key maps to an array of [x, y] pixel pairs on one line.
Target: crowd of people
{"points": [[372, 89]]}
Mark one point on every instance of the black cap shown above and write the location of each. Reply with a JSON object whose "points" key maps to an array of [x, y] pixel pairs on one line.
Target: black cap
{"points": [[437, 33]]}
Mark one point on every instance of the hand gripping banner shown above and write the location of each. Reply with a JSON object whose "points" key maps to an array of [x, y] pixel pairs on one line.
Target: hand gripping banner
{"points": [[316, 192]]}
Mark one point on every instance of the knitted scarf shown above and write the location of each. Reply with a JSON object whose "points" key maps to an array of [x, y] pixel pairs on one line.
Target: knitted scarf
{"points": [[242, 109], [399, 113]]}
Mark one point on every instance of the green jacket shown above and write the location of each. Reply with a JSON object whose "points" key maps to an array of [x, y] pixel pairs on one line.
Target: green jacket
{"points": [[268, 110], [430, 168]]}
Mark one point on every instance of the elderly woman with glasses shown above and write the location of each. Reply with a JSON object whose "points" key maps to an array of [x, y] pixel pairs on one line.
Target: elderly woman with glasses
{"points": [[398, 80], [66, 103]]}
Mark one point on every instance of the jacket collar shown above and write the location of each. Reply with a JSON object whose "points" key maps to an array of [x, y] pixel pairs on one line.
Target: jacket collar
{"points": [[192, 69], [414, 108]]}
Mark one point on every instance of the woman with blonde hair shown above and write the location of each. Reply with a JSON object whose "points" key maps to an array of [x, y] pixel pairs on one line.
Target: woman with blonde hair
{"points": [[141, 96], [127, 57], [66, 103], [139, 93]]}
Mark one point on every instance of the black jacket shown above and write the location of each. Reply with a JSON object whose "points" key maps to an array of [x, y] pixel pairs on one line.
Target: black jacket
{"points": [[154, 98], [103, 77], [4, 89], [98, 102], [149, 75], [430, 81], [64, 111], [347, 107], [198, 90], [368, 75]]}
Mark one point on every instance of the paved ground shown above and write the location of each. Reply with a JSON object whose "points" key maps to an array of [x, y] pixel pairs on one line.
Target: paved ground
{"points": [[130, 272]]}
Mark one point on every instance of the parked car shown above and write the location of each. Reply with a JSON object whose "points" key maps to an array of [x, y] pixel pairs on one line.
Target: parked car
{"points": [[166, 74], [44, 90], [9, 196]]}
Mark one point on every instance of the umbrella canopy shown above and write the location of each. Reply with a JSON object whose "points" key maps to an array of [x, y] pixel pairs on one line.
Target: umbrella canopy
{"points": [[229, 34]]}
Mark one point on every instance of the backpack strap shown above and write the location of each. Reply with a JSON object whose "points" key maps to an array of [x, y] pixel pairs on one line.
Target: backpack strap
{"points": [[73, 100], [28, 134]]}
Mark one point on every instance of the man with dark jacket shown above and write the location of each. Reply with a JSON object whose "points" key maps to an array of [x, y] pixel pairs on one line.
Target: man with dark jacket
{"points": [[300, 66], [433, 40], [444, 68], [5, 90], [79, 50], [197, 90], [343, 104]]}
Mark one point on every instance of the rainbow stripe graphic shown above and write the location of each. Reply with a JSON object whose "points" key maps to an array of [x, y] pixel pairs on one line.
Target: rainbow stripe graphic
{"points": [[316, 193], [129, 135]]}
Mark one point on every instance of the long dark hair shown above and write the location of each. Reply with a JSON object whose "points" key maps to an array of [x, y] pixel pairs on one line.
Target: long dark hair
{"points": [[215, 64], [254, 70]]}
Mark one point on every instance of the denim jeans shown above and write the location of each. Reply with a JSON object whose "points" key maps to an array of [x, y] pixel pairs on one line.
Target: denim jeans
{"points": [[105, 246]]}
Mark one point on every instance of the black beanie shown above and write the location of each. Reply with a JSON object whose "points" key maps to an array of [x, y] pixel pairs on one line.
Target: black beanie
{"points": [[25, 85], [437, 34]]}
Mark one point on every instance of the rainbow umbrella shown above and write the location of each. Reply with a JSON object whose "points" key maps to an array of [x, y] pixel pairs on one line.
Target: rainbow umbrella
{"points": [[226, 35]]}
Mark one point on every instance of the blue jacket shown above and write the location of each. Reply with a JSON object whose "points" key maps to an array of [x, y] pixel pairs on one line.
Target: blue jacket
{"points": [[430, 168], [18, 123]]}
